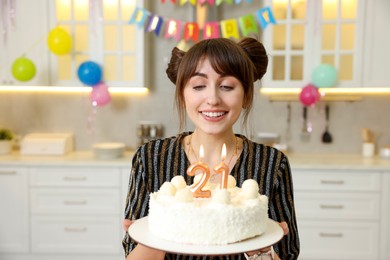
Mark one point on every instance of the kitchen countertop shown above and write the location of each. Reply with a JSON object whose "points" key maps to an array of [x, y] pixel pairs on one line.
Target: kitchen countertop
{"points": [[297, 161], [76, 158]]}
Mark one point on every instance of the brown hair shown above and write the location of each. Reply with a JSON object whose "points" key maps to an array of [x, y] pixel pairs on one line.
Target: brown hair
{"points": [[245, 60]]}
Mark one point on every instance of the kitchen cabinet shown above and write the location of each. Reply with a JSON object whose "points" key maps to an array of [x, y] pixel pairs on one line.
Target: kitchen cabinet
{"points": [[75, 210], [25, 35], [385, 217], [101, 33], [310, 33], [62, 212], [338, 213], [377, 42], [14, 216]]}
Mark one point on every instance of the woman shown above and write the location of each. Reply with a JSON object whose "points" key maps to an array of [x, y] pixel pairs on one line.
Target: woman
{"points": [[214, 85]]}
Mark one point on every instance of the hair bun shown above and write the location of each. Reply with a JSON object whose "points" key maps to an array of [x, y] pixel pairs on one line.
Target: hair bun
{"points": [[174, 63], [257, 54]]}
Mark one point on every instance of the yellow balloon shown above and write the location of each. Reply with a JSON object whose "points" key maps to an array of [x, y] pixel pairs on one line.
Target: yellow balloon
{"points": [[59, 41]]}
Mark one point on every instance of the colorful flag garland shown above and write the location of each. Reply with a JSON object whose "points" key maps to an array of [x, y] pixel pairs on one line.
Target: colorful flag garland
{"points": [[231, 28], [209, 2]]}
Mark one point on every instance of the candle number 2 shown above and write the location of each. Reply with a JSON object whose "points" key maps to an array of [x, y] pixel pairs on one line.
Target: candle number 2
{"points": [[197, 189]]}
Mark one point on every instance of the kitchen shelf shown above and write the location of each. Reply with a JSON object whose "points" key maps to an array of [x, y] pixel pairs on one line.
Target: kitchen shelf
{"points": [[327, 98], [327, 94]]}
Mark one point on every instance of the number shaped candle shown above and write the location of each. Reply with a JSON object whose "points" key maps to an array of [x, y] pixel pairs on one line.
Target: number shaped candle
{"points": [[197, 189], [223, 169]]}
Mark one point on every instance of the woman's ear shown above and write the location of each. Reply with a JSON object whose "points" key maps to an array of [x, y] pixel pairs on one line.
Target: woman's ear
{"points": [[244, 103]]}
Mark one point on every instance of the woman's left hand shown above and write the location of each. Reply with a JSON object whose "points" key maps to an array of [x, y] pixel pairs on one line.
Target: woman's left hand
{"points": [[284, 227]]}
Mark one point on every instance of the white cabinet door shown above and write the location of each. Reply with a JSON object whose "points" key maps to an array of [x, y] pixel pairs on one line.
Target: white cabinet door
{"points": [[14, 228], [338, 240], [26, 36], [310, 33], [101, 33], [377, 44], [385, 218], [75, 234], [75, 210]]}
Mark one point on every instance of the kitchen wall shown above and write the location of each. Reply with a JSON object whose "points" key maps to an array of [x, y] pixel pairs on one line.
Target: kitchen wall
{"points": [[49, 112]]}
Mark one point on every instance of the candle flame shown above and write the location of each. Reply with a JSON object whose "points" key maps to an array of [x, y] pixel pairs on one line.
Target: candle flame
{"points": [[223, 153], [201, 152]]}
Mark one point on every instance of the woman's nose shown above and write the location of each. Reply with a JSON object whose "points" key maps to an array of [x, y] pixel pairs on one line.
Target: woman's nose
{"points": [[213, 97]]}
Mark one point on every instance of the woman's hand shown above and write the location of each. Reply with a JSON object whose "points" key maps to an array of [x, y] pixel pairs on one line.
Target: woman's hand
{"points": [[284, 227], [126, 223]]}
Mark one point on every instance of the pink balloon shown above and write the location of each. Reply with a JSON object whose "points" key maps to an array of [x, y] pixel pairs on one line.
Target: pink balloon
{"points": [[100, 95], [309, 95]]}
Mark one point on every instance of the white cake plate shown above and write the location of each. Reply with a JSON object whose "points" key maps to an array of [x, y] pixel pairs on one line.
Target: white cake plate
{"points": [[140, 232]]}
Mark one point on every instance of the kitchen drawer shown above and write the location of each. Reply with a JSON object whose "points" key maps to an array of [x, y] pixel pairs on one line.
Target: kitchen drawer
{"points": [[336, 180], [337, 205], [97, 235], [338, 240], [75, 201], [75, 177]]}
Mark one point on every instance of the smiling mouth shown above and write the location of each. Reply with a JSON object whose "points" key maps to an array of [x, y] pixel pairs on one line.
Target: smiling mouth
{"points": [[214, 114]]}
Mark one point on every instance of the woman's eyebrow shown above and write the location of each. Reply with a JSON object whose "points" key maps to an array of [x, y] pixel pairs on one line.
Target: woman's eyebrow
{"points": [[200, 75]]}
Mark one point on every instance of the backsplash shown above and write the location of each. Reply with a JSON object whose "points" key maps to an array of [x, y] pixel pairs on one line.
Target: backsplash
{"points": [[118, 121]]}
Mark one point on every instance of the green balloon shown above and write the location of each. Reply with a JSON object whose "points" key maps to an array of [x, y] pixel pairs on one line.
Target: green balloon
{"points": [[23, 69], [324, 76]]}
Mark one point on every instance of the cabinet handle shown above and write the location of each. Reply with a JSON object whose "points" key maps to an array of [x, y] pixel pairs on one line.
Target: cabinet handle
{"points": [[7, 172], [332, 182], [75, 178], [75, 202], [70, 229], [331, 234], [331, 206]]}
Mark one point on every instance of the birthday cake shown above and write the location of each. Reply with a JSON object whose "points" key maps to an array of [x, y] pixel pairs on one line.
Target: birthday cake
{"points": [[228, 215]]}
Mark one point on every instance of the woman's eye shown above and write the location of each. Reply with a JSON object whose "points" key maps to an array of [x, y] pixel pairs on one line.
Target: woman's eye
{"points": [[198, 87], [227, 88]]}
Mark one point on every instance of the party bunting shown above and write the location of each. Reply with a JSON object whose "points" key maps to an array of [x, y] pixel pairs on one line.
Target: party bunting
{"points": [[265, 17], [210, 2], [182, 2], [173, 29], [191, 31], [229, 29], [219, 2], [173, 1], [139, 16], [248, 24], [211, 30], [154, 25]]}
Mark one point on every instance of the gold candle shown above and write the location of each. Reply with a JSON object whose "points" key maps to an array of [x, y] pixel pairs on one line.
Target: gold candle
{"points": [[223, 169], [197, 189]]}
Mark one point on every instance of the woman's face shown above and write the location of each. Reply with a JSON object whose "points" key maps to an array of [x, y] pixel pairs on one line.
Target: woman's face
{"points": [[213, 101]]}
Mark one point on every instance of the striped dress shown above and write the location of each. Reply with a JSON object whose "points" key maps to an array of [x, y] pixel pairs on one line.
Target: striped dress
{"points": [[160, 160]]}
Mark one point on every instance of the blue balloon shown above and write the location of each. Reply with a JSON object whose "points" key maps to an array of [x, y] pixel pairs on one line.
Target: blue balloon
{"points": [[89, 73], [324, 76]]}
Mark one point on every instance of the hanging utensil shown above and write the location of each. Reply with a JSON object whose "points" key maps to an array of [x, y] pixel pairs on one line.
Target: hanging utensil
{"points": [[305, 134], [326, 136], [288, 127]]}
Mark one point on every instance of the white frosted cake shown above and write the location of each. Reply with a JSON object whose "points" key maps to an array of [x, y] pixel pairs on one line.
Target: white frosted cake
{"points": [[229, 215]]}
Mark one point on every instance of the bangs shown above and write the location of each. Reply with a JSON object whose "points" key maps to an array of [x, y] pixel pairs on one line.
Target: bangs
{"points": [[229, 63]]}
